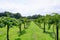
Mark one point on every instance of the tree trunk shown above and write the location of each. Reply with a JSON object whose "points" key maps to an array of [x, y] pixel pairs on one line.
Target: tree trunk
{"points": [[49, 26], [40, 25], [53, 29], [24, 25], [57, 32], [20, 28], [7, 32], [44, 27]]}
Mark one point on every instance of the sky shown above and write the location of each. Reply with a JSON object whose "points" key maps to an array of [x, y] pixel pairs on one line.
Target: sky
{"points": [[30, 7]]}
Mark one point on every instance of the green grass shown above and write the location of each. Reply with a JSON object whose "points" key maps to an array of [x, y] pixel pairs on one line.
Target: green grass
{"points": [[33, 32], [3, 33]]}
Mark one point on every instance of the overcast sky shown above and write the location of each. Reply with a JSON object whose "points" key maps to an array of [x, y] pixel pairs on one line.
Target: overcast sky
{"points": [[30, 7]]}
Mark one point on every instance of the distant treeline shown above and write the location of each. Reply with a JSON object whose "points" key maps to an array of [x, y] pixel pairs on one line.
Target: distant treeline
{"points": [[17, 15]]}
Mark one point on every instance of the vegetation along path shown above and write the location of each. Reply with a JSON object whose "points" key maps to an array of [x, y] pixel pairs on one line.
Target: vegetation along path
{"points": [[35, 33]]}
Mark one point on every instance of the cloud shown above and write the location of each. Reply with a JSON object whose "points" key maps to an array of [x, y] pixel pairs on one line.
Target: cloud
{"points": [[30, 7]]}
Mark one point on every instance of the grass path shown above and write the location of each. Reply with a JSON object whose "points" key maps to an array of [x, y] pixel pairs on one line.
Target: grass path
{"points": [[35, 33]]}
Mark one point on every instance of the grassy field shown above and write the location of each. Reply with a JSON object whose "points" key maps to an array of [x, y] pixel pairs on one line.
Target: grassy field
{"points": [[33, 32]]}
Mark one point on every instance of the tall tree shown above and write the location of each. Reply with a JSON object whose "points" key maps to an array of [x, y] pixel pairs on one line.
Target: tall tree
{"points": [[17, 15], [56, 19], [10, 22]]}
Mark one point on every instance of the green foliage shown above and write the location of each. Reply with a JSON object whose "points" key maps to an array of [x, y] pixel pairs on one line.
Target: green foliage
{"points": [[2, 25], [9, 21]]}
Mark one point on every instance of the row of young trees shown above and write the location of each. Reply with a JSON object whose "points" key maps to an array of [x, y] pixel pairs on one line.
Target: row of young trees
{"points": [[53, 19], [11, 22], [6, 19]]}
